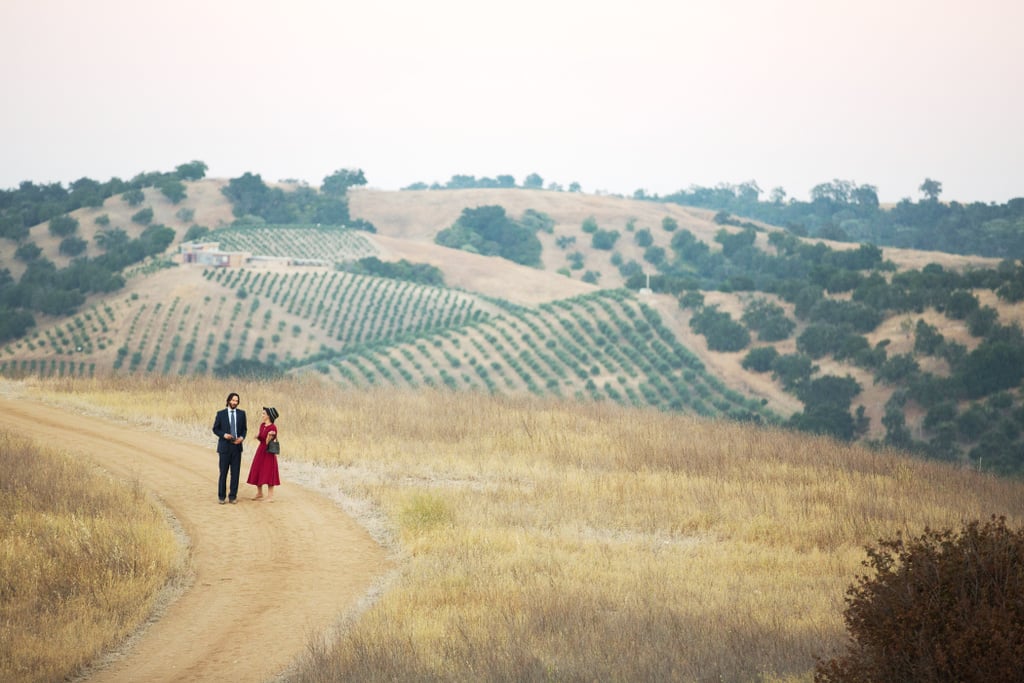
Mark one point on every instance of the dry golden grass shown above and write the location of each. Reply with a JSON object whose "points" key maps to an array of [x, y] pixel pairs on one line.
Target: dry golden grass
{"points": [[82, 559], [541, 540]]}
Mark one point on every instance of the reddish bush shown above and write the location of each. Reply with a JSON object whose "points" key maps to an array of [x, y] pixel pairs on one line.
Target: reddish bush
{"points": [[942, 607]]}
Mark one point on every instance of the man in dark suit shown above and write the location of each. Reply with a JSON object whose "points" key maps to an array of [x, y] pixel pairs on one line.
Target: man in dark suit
{"points": [[229, 426]]}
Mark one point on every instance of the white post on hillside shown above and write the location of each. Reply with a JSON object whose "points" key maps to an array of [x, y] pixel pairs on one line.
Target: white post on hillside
{"points": [[647, 290]]}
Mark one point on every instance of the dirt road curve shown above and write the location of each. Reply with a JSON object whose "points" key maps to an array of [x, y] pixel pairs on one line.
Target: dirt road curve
{"points": [[267, 576]]}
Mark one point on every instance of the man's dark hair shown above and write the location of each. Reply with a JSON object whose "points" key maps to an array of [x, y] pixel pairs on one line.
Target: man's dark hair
{"points": [[230, 396]]}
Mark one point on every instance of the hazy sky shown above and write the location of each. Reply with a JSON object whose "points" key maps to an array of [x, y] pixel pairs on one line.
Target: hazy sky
{"points": [[651, 94]]}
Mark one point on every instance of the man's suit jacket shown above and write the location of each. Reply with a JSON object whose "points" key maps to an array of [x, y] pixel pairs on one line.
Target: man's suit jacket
{"points": [[222, 426]]}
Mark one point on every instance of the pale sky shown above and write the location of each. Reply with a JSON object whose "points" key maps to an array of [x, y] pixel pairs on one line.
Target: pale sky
{"points": [[647, 94]]}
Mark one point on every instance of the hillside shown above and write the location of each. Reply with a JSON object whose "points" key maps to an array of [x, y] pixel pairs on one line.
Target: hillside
{"points": [[568, 328]]}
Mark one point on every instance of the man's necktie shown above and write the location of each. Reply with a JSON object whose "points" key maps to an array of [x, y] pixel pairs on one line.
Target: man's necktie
{"points": [[234, 430]]}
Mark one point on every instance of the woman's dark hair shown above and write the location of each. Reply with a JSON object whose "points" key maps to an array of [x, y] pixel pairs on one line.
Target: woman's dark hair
{"points": [[230, 396]]}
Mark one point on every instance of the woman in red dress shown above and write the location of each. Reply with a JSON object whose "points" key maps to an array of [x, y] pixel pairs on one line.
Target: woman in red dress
{"points": [[263, 470]]}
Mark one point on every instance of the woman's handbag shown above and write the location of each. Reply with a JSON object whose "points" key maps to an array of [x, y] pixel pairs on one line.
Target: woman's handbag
{"points": [[274, 447]]}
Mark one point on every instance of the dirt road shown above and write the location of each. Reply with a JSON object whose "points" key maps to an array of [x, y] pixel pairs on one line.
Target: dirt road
{"points": [[267, 576]]}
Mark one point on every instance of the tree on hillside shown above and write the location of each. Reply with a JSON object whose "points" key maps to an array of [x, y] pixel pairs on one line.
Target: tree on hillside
{"points": [[931, 189], [27, 252], [865, 195], [195, 233], [86, 192], [134, 196], [793, 370], [721, 331], [604, 239], [62, 226], [111, 240], [173, 189], [760, 359], [992, 367], [248, 194], [143, 216], [194, 170], [488, 230], [837, 192], [72, 245], [533, 182], [827, 407], [156, 238], [14, 323], [338, 182]]}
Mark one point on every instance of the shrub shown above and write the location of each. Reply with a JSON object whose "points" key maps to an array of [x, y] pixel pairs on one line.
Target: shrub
{"points": [[691, 299], [721, 331], [643, 238], [173, 189], [62, 226], [768, 319], [604, 239], [961, 304], [143, 216], [793, 370], [72, 246], [195, 233], [134, 196], [760, 359], [946, 606], [27, 251]]}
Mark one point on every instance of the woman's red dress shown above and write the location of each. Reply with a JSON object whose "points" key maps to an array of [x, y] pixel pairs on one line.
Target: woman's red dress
{"points": [[264, 465]]}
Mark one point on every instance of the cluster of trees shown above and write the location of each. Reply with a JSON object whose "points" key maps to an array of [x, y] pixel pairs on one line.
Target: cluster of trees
{"points": [[43, 288], [254, 201], [420, 273], [795, 268], [463, 182], [807, 276], [31, 204], [489, 231], [845, 211]]}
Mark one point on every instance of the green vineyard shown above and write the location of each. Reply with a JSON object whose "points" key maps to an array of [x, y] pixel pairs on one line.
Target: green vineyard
{"points": [[603, 346], [310, 243], [362, 331], [278, 318]]}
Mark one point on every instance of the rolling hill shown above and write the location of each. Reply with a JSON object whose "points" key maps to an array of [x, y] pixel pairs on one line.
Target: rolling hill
{"points": [[569, 328]]}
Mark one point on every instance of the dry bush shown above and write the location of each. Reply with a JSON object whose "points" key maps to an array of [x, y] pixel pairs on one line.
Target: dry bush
{"points": [[945, 606], [81, 559]]}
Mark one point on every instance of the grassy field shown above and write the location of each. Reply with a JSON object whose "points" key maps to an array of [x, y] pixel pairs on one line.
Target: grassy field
{"points": [[548, 540], [82, 560]]}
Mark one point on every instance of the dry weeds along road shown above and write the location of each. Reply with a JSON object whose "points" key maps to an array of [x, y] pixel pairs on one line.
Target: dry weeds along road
{"points": [[265, 577]]}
